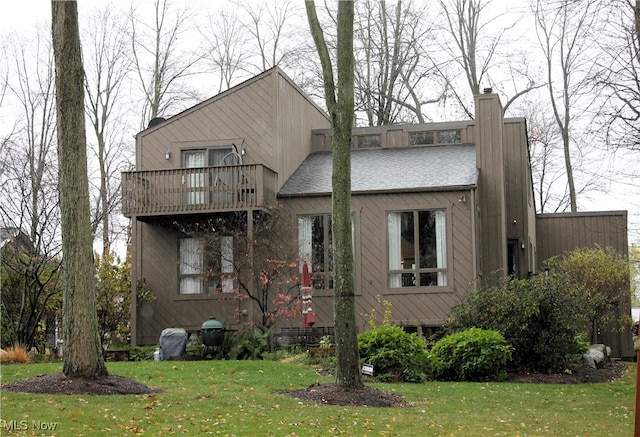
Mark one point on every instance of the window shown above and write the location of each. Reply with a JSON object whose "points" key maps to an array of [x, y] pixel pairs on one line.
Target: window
{"points": [[366, 141], [417, 249], [420, 138], [453, 136], [222, 156], [218, 274], [197, 180], [194, 180], [449, 137], [226, 263], [191, 266], [315, 247]]}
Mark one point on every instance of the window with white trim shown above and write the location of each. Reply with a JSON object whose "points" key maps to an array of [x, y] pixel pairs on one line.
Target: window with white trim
{"points": [[417, 248]]}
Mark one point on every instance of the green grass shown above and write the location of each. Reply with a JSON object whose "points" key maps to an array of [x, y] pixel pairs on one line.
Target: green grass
{"points": [[237, 398]]}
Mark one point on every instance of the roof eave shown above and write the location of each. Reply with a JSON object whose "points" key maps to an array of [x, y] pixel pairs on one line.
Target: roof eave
{"points": [[386, 191]]}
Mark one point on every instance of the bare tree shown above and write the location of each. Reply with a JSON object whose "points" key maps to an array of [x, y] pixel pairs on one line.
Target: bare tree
{"points": [[107, 55], [29, 215], [392, 48], [475, 50], [564, 29], [82, 349], [465, 27], [246, 38], [4, 73], [226, 40], [271, 30], [618, 75], [545, 151], [340, 101], [161, 64]]}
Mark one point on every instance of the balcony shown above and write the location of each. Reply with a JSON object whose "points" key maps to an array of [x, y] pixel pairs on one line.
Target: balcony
{"points": [[197, 190]]}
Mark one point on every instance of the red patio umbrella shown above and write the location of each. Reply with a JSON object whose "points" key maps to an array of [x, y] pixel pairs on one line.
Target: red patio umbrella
{"points": [[308, 318]]}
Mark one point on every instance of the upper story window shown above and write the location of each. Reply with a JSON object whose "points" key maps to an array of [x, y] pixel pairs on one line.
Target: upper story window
{"points": [[420, 138], [449, 136], [208, 157], [453, 136], [195, 181], [417, 248], [366, 141]]}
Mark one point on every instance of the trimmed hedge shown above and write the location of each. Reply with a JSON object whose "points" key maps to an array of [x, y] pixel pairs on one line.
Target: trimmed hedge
{"points": [[395, 354], [471, 355]]}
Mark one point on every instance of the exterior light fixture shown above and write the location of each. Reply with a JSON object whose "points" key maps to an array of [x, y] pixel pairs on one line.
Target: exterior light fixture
{"points": [[167, 155]]}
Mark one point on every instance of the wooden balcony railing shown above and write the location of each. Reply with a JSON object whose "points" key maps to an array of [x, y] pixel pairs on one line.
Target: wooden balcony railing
{"points": [[197, 190]]}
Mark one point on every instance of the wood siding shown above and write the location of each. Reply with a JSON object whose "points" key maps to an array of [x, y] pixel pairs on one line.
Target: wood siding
{"points": [[520, 210], [268, 116], [492, 198], [271, 119], [558, 233], [425, 306]]}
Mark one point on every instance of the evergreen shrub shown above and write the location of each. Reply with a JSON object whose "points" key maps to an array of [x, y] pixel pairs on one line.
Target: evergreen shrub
{"points": [[394, 354], [471, 355], [534, 316]]}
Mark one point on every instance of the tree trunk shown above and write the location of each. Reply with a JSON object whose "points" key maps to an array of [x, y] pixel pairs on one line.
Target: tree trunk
{"points": [[82, 351], [341, 107]]}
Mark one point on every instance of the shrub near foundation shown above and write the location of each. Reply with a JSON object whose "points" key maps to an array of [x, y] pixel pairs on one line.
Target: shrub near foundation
{"points": [[396, 355], [471, 355], [534, 316]]}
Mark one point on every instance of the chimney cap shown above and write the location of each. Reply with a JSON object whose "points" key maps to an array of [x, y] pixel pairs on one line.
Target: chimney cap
{"points": [[488, 90]]}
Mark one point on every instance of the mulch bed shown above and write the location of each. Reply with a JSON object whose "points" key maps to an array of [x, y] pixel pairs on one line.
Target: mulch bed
{"points": [[333, 394], [59, 384], [576, 375]]}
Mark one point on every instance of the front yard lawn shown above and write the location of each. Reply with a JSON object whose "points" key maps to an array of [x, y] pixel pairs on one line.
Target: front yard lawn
{"points": [[240, 398]]}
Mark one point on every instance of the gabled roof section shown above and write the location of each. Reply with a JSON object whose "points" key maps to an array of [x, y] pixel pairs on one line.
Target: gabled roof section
{"points": [[398, 169], [265, 75]]}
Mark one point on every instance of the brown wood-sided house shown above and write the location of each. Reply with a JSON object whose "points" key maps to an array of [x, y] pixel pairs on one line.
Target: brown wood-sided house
{"points": [[435, 207]]}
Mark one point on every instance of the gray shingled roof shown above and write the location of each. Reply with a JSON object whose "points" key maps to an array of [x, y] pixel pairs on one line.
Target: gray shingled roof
{"points": [[409, 168]]}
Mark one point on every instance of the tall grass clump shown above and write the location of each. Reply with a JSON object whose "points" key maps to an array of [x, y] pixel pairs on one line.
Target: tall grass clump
{"points": [[14, 354]]}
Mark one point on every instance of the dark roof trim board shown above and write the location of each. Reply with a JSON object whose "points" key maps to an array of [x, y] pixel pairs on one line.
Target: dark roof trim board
{"points": [[390, 170], [556, 215]]}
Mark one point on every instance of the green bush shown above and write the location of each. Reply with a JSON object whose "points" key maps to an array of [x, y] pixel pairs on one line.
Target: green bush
{"points": [[142, 353], [250, 344], [395, 354], [534, 316], [598, 280], [471, 355]]}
